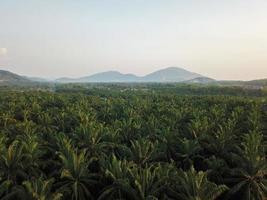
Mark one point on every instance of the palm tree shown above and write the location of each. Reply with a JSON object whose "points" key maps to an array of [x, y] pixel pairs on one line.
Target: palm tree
{"points": [[75, 176], [141, 151], [187, 151], [45, 122], [91, 137], [249, 178], [3, 140], [40, 189], [11, 162], [127, 129], [192, 185], [32, 152], [7, 118], [167, 147], [4, 187], [133, 182], [148, 184], [119, 172], [199, 126]]}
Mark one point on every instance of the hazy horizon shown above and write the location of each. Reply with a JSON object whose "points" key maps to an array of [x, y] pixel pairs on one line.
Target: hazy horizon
{"points": [[225, 40]]}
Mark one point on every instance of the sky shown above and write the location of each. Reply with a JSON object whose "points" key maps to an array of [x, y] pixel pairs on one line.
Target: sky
{"points": [[54, 38]]}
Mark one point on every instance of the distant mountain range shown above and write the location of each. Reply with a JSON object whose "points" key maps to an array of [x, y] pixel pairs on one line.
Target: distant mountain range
{"points": [[167, 75], [110, 76], [171, 74]]}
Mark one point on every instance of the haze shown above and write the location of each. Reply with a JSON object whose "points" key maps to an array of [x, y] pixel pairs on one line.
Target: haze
{"points": [[53, 38]]}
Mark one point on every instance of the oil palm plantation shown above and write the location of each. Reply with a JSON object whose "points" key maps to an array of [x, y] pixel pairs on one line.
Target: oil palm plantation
{"points": [[138, 142]]}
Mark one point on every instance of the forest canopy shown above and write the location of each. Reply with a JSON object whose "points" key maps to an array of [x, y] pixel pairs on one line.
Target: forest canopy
{"points": [[137, 142]]}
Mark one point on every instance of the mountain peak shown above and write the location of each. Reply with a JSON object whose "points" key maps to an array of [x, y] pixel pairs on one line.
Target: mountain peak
{"points": [[109, 76], [171, 74], [172, 68]]}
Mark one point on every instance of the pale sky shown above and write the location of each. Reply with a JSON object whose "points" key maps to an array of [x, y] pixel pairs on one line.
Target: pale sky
{"points": [[222, 39]]}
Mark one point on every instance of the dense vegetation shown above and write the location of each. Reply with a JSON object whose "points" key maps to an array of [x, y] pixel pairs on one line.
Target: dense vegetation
{"points": [[116, 143]]}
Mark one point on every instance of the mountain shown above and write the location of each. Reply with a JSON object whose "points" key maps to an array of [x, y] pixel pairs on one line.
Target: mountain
{"points": [[9, 77], [167, 75], [171, 74], [201, 80], [258, 82], [110, 76], [36, 79], [66, 80]]}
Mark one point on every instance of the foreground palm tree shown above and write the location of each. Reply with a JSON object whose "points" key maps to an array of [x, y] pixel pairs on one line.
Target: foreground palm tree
{"points": [[193, 185], [141, 151], [4, 187], [40, 189], [148, 182], [11, 162], [119, 172], [187, 151], [90, 136], [249, 178], [32, 153], [75, 176], [133, 182]]}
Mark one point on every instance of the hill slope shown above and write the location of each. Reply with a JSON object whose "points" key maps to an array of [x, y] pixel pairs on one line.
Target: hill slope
{"points": [[9, 77], [171, 74], [110, 76], [201, 80]]}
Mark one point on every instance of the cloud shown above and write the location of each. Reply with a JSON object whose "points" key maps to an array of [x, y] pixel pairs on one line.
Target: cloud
{"points": [[3, 51]]}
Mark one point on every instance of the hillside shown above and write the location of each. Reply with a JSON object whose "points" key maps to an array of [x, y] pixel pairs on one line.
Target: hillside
{"points": [[171, 74], [9, 77], [110, 76], [202, 80]]}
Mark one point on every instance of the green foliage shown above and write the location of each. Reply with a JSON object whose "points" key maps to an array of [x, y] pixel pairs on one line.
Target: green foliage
{"points": [[194, 185], [75, 174], [40, 189], [250, 175], [139, 142]]}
